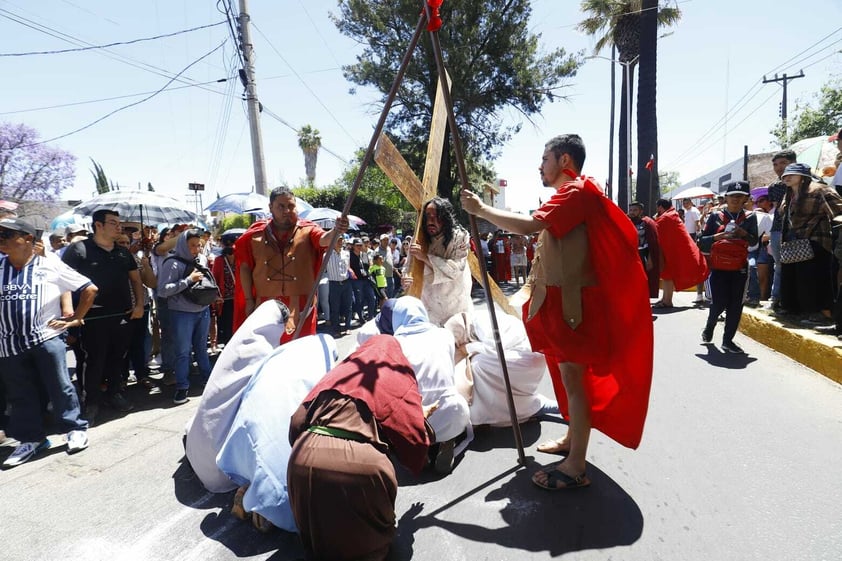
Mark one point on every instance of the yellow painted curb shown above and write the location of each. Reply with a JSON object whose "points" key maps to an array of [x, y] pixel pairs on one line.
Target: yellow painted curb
{"points": [[822, 353]]}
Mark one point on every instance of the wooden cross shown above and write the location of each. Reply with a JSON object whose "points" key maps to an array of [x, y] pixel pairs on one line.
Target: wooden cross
{"points": [[418, 192]]}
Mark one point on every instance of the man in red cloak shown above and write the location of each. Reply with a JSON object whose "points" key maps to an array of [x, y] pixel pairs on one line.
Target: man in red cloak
{"points": [[586, 309], [279, 258], [682, 264]]}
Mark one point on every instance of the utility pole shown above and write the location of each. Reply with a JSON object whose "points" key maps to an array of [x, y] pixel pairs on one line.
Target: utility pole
{"points": [[785, 80], [247, 77]]}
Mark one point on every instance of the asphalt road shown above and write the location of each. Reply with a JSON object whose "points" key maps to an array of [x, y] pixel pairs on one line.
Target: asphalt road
{"points": [[740, 460]]}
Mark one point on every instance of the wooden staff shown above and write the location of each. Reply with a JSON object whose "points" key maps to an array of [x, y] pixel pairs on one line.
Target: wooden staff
{"points": [[463, 178], [390, 98]]}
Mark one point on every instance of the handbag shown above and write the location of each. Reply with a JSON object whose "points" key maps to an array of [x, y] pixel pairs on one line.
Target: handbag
{"points": [[203, 293], [796, 251], [729, 254]]}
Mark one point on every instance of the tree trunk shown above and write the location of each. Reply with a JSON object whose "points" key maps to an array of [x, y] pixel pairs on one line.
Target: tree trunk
{"points": [[624, 158], [648, 189], [609, 187], [311, 155]]}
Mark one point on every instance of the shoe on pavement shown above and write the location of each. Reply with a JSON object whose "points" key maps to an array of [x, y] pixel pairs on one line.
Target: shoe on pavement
{"points": [[77, 440], [180, 397], [443, 462], [25, 452], [707, 335], [816, 319], [732, 347], [120, 403]]}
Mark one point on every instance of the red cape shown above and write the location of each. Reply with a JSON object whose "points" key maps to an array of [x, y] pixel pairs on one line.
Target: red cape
{"points": [[683, 263], [618, 381]]}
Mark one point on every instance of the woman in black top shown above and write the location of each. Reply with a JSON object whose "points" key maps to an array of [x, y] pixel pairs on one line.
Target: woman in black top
{"points": [[733, 226]]}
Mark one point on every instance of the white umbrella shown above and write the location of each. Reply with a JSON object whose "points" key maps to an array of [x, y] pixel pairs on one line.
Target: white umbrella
{"points": [[146, 207], [240, 203], [694, 193]]}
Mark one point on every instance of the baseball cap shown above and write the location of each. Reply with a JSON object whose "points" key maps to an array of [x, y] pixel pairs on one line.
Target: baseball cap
{"points": [[75, 229], [737, 188], [18, 225], [384, 236]]}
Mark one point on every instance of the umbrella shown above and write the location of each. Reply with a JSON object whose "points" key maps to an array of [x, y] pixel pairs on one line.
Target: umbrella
{"points": [[234, 232], [240, 203], [326, 218], [817, 152], [146, 207], [65, 219], [694, 193]]}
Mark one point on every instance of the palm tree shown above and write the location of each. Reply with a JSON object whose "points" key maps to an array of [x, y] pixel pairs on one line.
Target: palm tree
{"points": [[618, 23], [310, 142]]}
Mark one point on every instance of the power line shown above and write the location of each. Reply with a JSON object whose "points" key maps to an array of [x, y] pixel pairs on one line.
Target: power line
{"points": [[173, 79], [67, 38], [300, 79], [750, 94], [296, 130], [132, 42]]}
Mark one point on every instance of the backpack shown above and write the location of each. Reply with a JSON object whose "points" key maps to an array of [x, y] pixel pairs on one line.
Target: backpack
{"points": [[203, 293], [730, 254]]}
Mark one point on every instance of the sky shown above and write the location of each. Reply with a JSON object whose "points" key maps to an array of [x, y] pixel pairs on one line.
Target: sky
{"points": [[711, 99]]}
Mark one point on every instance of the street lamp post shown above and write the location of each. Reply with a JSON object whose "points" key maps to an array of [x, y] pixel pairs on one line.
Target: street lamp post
{"points": [[628, 66]]}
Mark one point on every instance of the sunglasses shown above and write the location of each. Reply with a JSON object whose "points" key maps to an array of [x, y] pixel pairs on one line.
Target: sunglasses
{"points": [[9, 234]]}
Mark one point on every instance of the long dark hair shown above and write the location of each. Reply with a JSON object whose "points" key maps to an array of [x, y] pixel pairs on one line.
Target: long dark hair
{"points": [[445, 214]]}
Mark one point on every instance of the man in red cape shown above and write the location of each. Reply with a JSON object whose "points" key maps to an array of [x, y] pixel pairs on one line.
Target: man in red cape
{"points": [[647, 245], [279, 258], [682, 264], [587, 309]]}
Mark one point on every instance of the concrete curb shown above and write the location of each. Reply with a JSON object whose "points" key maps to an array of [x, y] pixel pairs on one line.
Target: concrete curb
{"points": [[822, 353]]}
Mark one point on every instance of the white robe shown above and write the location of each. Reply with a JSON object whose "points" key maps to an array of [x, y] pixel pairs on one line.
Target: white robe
{"points": [[254, 340], [447, 279], [526, 370], [257, 449]]}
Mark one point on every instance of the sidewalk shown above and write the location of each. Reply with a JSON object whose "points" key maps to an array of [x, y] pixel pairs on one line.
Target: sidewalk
{"points": [[822, 353]]}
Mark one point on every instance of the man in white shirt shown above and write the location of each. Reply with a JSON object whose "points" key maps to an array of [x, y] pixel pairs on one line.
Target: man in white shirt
{"points": [[692, 217]]}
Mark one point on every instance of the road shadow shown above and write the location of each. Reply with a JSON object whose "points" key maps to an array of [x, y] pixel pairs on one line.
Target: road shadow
{"points": [[715, 357], [239, 536], [597, 517], [671, 310]]}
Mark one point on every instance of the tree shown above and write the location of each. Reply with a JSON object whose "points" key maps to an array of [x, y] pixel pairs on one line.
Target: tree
{"points": [[491, 56], [29, 169], [101, 181], [823, 119], [618, 23], [309, 141]]}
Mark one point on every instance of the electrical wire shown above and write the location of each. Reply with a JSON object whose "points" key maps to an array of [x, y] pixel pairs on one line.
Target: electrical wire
{"points": [[300, 79], [89, 125], [100, 100], [132, 42], [67, 38]]}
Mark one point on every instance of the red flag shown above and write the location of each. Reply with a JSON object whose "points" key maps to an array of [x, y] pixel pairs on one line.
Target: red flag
{"points": [[651, 163]]}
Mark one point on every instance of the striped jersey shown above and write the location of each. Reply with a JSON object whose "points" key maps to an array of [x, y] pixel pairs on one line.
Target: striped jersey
{"points": [[30, 298]]}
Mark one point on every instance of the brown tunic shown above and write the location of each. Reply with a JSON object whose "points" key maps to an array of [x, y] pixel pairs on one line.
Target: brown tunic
{"points": [[342, 492]]}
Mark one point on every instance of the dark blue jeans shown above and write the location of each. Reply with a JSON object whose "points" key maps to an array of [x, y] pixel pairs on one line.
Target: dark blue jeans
{"points": [[340, 304], [190, 332], [726, 288], [140, 344], [45, 364], [363, 296]]}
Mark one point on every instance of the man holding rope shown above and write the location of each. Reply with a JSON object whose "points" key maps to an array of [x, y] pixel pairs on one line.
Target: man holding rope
{"points": [[586, 308]]}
